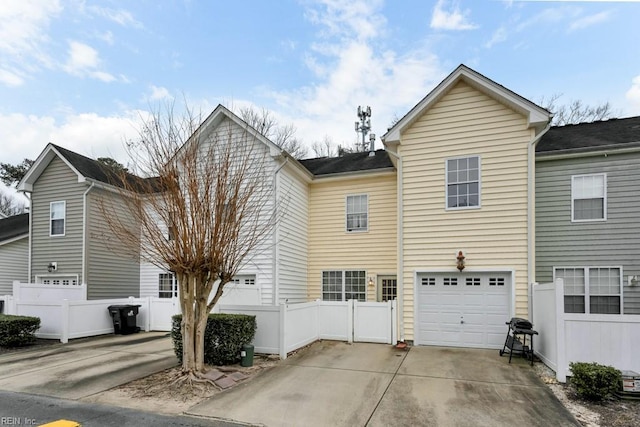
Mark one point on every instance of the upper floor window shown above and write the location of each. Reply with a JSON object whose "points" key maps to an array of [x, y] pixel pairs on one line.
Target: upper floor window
{"points": [[357, 213], [463, 182], [589, 197], [57, 213], [596, 290]]}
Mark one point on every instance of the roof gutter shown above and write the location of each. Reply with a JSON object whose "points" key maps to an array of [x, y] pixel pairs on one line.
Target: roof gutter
{"points": [[531, 212]]}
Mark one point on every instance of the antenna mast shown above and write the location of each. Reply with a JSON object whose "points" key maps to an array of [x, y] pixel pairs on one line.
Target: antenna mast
{"points": [[363, 127]]}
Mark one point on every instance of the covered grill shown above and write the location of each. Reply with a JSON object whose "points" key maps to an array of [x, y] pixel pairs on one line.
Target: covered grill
{"points": [[518, 330]]}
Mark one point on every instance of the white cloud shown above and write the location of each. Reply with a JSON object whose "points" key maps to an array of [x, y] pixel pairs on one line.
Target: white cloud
{"points": [[351, 69], [633, 96], [587, 21], [84, 61], [452, 18], [498, 36], [25, 136], [158, 93], [23, 37], [10, 79], [120, 16]]}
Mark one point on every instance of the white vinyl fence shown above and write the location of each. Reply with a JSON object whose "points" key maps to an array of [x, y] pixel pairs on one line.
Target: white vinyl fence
{"points": [[608, 339], [281, 329]]}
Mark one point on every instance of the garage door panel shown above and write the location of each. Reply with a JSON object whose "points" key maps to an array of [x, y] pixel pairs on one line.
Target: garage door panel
{"points": [[480, 300]]}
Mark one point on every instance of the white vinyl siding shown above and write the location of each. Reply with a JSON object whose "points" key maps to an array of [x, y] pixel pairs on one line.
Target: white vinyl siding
{"points": [[344, 285], [589, 197], [14, 262], [57, 215], [595, 290], [463, 182], [357, 213]]}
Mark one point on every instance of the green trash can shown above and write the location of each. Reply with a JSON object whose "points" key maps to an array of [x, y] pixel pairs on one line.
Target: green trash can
{"points": [[246, 355]]}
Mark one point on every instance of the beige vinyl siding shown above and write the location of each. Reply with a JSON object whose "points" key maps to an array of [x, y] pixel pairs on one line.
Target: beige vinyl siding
{"points": [[465, 122], [14, 261], [610, 243], [113, 270], [292, 237], [57, 183], [331, 247]]}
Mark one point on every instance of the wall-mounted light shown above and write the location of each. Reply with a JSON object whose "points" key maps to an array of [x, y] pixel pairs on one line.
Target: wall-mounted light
{"points": [[632, 280], [53, 266], [460, 261], [371, 282]]}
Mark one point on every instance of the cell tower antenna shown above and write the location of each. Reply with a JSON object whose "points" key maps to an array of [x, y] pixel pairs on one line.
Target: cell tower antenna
{"points": [[363, 127]]}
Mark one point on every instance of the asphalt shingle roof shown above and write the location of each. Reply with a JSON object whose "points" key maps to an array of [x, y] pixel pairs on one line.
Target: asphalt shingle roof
{"points": [[349, 162], [14, 226], [95, 170], [590, 136]]}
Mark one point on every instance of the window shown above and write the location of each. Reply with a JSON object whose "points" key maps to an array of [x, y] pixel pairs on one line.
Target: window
{"points": [[596, 290], [167, 285], [344, 285], [589, 197], [57, 216], [357, 213], [244, 279], [463, 182]]}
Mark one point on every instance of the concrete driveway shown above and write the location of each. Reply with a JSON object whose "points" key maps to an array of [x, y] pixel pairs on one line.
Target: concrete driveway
{"points": [[78, 370], [337, 384]]}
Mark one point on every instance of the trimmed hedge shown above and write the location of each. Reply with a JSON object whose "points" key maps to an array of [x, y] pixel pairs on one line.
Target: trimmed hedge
{"points": [[224, 337], [18, 331], [593, 381]]}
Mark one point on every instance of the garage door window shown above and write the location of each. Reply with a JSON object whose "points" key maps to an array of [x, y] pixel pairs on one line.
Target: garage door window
{"points": [[594, 290], [343, 285]]}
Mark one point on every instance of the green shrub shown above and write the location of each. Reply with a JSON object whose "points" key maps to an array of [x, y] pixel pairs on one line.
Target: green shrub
{"points": [[593, 381], [224, 337], [17, 331]]}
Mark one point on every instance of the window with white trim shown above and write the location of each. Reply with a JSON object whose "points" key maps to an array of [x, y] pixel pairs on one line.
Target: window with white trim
{"points": [[358, 212], [57, 214], [463, 182], [244, 279], [167, 285], [338, 285], [595, 290], [589, 197]]}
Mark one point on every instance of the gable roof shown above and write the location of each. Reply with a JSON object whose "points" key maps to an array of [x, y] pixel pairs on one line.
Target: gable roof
{"points": [[537, 116], [86, 168], [14, 226], [586, 137], [349, 162]]}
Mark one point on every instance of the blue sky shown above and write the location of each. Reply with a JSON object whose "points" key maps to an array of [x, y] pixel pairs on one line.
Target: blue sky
{"points": [[81, 73]]}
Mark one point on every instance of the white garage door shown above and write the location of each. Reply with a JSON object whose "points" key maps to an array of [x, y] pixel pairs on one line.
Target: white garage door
{"points": [[463, 309]]}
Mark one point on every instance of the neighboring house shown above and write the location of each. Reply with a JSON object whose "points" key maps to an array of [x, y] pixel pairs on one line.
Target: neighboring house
{"points": [[278, 269], [465, 164], [70, 243], [352, 227], [14, 251], [588, 214]]}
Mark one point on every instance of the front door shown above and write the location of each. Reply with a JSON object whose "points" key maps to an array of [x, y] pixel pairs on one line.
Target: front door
{"points": [[387, 288]]}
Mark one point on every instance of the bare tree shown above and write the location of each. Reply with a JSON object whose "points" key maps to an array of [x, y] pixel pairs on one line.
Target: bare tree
{"points": [[325, 148], [205, 209], [9, 206], [576, 111], [284, 135]]}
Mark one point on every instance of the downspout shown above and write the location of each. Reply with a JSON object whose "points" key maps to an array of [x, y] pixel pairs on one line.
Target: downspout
{"points": [[30, 234], [531, 213], [84, 235], [399, 247], [275, 271]]}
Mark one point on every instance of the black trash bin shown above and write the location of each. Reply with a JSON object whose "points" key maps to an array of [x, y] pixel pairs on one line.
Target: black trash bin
{"points": [[124, 318]]}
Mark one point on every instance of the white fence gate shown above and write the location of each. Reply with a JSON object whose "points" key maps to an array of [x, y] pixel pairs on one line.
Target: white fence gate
{"points": [[609, 339]]}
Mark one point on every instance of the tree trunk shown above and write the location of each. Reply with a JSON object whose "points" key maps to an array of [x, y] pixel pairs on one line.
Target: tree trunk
{"points": [[188, 325]]}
